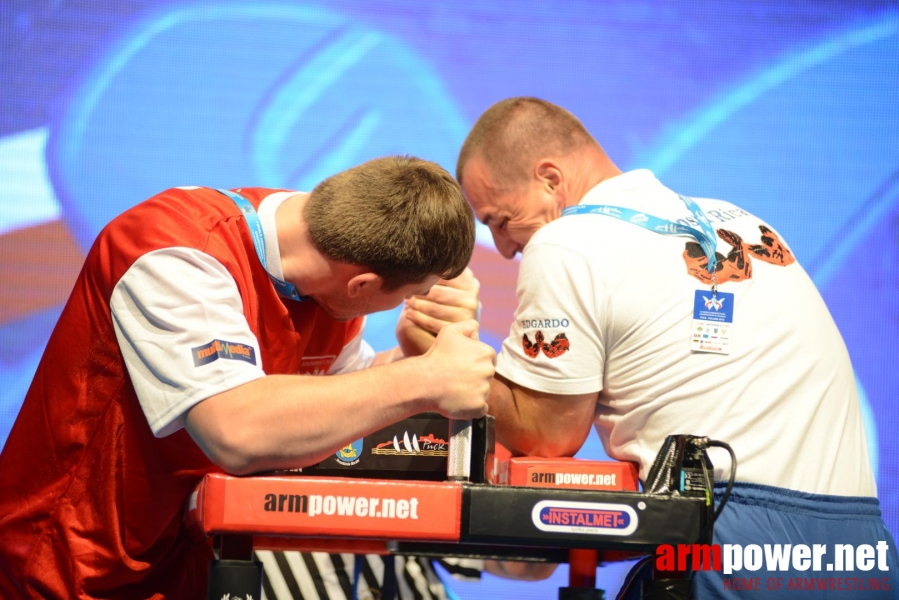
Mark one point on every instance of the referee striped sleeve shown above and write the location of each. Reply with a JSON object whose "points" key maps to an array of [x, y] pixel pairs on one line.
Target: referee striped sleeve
{"points": [[463, 569], [320, 576]]}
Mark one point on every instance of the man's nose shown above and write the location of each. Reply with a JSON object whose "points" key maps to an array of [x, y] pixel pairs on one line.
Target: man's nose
{"points": [[506, 246]]}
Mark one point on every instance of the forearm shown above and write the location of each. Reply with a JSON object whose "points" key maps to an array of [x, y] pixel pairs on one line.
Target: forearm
{"points": [[517, 428], [510, 428], [388, 356], [289, 421], [530, 423], [414, 342]]}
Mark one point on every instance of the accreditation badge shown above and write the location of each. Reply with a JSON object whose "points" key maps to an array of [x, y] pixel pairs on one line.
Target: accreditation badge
{"points": [[713, 319]]}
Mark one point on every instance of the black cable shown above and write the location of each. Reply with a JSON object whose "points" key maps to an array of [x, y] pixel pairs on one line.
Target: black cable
{"points": [[635, 576], [708, 481], [730, 482]]}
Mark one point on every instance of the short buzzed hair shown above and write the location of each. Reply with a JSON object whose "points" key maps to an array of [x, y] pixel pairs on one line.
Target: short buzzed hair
{"points": [[403, 217], [514, 133]]}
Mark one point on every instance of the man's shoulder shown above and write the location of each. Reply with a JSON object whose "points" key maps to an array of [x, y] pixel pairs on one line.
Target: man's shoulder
{"points": [[181, 217], [170, 213], [260, 193], [562, 235], [205, 199]]}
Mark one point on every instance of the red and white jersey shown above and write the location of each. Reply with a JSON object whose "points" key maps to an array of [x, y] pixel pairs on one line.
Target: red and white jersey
{"points": [[97, 466]]}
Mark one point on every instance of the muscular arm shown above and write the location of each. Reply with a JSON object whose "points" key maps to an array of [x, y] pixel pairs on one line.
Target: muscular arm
{"points": [[288, 421], [531, 423]]}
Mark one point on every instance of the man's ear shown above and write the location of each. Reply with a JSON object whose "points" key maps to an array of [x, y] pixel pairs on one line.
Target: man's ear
{"points": [[362, 284], [549, 173]]}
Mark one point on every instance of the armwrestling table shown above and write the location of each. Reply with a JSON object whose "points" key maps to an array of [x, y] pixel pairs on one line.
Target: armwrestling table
{"points": [[465, 516]]}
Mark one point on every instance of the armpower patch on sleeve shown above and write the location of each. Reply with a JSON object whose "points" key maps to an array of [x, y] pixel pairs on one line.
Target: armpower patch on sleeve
{"points": [[216, 349]]}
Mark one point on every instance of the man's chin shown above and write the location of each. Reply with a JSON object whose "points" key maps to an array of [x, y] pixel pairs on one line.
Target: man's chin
{"points": [[341, 315], [344, 317]]}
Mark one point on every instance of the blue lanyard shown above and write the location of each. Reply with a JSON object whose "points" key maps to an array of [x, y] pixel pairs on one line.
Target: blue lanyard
{"points": [[285, 290], [706, 236]]}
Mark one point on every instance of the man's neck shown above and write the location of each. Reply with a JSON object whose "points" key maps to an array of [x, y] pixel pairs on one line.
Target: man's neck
{"points": [[301, 262], [299, 257], [589, 170]]}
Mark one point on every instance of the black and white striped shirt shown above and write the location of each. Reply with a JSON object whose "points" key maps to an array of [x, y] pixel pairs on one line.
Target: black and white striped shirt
{"points": [[294, 575]]}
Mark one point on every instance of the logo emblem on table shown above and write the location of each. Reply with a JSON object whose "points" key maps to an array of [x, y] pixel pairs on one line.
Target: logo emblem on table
{"points": [[414, 444], [350, 454], [589, 518]]}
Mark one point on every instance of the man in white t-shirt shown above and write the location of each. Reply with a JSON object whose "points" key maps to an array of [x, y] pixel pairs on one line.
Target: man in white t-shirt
{"points": [[636, 320]]}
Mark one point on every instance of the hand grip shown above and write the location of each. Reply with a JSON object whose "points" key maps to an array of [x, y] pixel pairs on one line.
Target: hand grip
{"points": [[458, 465]]}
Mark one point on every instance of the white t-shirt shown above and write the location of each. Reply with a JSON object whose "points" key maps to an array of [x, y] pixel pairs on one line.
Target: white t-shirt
{"points": [[617, 299], [177, 298]]}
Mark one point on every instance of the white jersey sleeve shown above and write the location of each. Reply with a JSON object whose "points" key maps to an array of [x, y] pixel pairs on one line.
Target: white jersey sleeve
{"points": [[556, 345], [355, 356], [179, 322]]}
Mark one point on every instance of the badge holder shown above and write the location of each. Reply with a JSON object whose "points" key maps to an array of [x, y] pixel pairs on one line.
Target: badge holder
{"points": [[713, 318]]}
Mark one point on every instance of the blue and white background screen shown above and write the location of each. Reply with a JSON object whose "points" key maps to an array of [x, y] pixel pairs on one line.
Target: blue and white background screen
{"points": [[787, 108]]}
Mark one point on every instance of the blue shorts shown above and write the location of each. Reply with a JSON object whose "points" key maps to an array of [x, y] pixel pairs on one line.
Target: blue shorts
{"points": [[849, 533]]}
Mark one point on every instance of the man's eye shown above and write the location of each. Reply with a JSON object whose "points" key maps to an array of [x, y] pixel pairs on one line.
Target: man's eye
{"points": [[502, 224]]}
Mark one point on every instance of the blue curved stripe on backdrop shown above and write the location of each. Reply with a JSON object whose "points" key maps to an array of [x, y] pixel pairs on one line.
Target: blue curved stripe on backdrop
{"points": [[284, 111], [807, 139]]}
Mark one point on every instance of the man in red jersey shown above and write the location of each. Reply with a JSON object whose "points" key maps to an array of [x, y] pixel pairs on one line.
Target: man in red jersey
{"points": [[180, 353]]}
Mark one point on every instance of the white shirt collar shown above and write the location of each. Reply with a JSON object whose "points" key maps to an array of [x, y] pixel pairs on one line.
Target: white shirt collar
{"points": [[608, 189], [266, 213]]}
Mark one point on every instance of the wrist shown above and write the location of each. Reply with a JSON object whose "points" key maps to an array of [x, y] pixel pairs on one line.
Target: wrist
{"points": [[415, 341], [419, 384]]}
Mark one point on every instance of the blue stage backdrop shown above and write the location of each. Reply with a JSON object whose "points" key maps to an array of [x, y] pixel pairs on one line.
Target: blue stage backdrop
{"points": [[788, 108]]}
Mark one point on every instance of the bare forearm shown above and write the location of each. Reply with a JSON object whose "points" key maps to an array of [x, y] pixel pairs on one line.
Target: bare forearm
{"points": [[413, 343], [413, 339], [530, 423], [289, 421], [510, 430]]}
